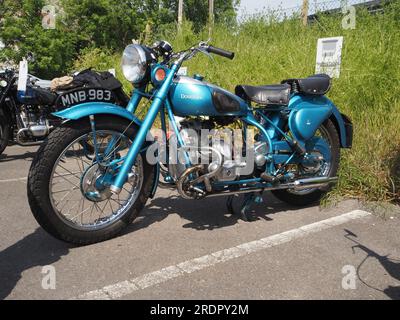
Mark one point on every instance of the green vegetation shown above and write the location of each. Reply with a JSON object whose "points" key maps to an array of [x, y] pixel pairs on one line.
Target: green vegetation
{"points": [[367, 91], [106, 24]]}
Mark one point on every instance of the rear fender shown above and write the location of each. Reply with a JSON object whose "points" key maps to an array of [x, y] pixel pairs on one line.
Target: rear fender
{"points": [[344, 127], [309, 112]]}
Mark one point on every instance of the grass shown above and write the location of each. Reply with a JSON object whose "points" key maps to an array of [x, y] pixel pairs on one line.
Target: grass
{"points": [[368, 89]]}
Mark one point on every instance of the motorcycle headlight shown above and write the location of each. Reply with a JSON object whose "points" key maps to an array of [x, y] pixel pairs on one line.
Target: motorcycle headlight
{"points": [[134, 63]]}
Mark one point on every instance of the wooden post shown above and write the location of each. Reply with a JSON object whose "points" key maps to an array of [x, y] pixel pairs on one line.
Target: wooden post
{"points": [[304, 12], [210, 17], [147, 33], [180, 13]]}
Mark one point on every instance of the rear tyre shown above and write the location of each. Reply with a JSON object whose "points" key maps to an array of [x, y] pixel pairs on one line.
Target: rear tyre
{"points": [[4, 133], [48, 199], [308, 197]]}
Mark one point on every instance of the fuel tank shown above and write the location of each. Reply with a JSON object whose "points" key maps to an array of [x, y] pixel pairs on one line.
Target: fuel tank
{"points": [[194, 97]]}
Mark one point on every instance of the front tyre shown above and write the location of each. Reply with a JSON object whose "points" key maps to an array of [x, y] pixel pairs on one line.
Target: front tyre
{"points": [[328, 132], [67, 187]]}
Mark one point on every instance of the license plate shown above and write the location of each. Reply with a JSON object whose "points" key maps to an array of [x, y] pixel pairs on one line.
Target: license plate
{"points": [[84, 95]]}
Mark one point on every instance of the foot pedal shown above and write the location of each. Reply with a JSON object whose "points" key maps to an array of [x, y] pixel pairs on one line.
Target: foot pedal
{"points": [[267, 178]]}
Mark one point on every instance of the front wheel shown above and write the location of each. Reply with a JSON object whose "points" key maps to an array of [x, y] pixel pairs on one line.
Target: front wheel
{"points": [[69, 186], [4, 133], [328, 133]]}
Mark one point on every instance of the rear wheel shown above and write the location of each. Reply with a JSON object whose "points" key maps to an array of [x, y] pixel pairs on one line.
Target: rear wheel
{"points": [[68, 189], [329, 134], [4, 133]]}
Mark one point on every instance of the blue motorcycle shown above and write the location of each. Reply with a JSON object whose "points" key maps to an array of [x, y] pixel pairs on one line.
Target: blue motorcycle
{"points": [[93, 175]]}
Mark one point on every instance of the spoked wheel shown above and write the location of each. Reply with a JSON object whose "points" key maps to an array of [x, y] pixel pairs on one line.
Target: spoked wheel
{"points": [[4, 133], [329, 149], [69, 184]]}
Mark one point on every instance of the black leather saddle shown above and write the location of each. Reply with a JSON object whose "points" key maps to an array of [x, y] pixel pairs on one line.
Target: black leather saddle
{"points": [[318, 84], [278, 94]]}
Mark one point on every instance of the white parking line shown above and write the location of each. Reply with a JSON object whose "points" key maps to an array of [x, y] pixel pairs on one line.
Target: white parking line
{"points": [[14, 180], [126, 287]]}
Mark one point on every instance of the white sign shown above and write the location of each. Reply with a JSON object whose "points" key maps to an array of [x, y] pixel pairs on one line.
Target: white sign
{"points": [[182, 71], [22, 75], [329, 56]]}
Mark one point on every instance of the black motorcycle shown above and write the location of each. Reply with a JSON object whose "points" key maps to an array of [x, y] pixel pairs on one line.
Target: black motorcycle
{"points": [[26, 117]]}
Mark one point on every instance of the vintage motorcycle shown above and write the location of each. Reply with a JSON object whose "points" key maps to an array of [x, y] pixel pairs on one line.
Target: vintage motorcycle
{"points": [[26, 116], [85, 195], [23, 117]]}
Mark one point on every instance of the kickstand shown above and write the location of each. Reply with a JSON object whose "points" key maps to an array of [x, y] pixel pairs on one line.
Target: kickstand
{"points": [[249, 199], [229, 205]]}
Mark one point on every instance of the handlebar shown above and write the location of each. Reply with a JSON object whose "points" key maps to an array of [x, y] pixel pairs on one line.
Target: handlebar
{"points": [[181, 56], [221, 52]]}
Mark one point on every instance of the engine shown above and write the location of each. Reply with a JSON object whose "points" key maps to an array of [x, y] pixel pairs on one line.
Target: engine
{"points": [[219, 153], [32, 124]]}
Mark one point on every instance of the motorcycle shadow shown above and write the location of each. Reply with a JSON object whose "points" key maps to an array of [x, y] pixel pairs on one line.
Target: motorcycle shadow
{"points": [[34, 250], [390, 265], [24, 156], [206, 214]]}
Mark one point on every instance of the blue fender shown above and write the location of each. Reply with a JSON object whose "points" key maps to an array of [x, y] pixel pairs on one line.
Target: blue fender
{"points": [[92, 108], [343, 126], [310, 111]]}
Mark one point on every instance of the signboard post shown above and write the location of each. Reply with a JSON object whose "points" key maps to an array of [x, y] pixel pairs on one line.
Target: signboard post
{"points": [[329, 56]]}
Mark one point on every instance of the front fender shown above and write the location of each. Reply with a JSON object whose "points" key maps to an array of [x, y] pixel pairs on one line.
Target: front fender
{"points": [[92, 108]]}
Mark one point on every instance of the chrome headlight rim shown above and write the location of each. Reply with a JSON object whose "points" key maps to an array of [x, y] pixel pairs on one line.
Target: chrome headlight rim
{"points": [[3, 83], [134, 72]]}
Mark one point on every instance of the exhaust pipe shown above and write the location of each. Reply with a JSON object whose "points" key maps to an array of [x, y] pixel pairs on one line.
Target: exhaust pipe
{"points": [[310, 183], [298, 185], [19, 141]]}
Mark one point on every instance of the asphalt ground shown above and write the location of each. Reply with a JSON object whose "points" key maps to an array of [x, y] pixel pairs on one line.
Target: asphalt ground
{"points": [[182, 249]]}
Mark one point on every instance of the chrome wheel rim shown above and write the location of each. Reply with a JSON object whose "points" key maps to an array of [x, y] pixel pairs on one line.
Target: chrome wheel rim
{"points": [[67, 183]]}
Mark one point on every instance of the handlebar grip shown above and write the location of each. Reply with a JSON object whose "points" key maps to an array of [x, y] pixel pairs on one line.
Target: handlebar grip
{"points": [[221, 52]]}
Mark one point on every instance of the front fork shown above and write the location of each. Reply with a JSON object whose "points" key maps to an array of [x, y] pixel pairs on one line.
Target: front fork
{"points": [[148, 121]]}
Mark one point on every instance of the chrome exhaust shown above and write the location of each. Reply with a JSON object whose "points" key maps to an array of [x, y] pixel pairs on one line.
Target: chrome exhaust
{"points": [[25, 144], [37, 131], [203, 178], [310, 183], [298, 185]]}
